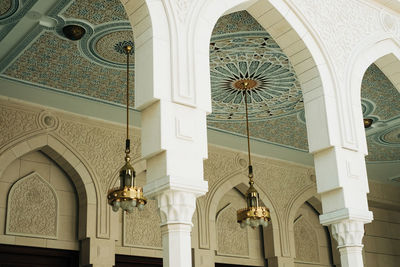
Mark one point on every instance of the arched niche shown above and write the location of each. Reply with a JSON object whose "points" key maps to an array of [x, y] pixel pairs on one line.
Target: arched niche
{"points": [[216, 203], [312, 240], [42, 205], [73, 166], [236, 245]]}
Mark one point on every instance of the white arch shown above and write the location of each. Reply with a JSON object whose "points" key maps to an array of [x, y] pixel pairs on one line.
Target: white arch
{"points": [[372, 49], [299, 43]]}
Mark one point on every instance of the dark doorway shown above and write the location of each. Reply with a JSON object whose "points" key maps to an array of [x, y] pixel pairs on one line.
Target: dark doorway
{"points": [[229, 265], [20, 256], [133, 261]]}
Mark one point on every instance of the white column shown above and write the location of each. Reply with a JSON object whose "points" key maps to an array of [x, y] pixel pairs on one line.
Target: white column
{"points": [[176, 211], [339, 158], [349, 234], [343, 186]]}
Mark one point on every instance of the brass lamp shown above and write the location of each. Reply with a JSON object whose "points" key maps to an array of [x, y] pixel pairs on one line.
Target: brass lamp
{"points": [[128, 195], [255, 214]]}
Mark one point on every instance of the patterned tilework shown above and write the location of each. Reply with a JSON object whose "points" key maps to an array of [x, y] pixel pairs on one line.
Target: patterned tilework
{"points": [[288, 130], [96, 12], [57, 63], [378, 152], [236, 22], [377, 88], [105, 46], [5, 5]]}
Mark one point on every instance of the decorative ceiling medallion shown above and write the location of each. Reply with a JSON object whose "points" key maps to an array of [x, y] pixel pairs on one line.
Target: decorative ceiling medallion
{"points": [[120, 47], [8, 8], [5, 7], [391, 137], [110, 46], [103, 46], [256, 58]]}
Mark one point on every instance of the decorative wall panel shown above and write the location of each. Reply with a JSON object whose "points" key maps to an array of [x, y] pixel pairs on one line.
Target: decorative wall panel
{"points": [[232, 240], [306, 241], [32, 208]]}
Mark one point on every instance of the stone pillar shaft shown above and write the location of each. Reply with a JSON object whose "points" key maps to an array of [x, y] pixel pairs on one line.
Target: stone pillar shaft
{"points": [[351, 256], [176, 244]]}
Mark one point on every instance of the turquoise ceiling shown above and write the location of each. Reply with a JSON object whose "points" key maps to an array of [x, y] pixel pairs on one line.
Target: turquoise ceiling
{"points": [[240, 49]]}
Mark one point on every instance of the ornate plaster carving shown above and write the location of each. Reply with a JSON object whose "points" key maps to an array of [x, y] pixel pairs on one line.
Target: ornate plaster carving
{"points": [[47, 120], [15, 123], [142, 228], [32, 208], [306, 241], [341, 26], [232, 240], [348, 233], [222, 163], [389, 22], [281, 182], [96, 146], [183, 7]]}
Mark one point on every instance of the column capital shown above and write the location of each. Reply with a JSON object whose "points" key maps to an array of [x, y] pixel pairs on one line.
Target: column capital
{"points": [[348, 233], [176, 207]]}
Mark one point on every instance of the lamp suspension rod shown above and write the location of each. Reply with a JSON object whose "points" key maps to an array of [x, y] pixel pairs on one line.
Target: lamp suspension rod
{"points": [[247, 129], [127, 143]]}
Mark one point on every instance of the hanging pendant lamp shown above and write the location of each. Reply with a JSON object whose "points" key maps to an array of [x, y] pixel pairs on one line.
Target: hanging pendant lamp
{"points": [[255, 214], [128, 195]]}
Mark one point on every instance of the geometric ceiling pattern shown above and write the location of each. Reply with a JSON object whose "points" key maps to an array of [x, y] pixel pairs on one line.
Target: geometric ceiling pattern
{"points": [[240, 50]]}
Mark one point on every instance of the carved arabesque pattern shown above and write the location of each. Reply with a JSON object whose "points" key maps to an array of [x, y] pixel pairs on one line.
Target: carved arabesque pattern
{"points": [[15, 123], [142, 228], [232, 240], [219, 164], [281, 182], [341, 24], [101, 147], [306, 241], [183, 7], [32, 208]]}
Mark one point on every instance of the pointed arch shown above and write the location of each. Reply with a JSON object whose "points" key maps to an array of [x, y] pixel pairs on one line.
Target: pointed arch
{"points": [[385, 51], [217, 192], [82, 178]]}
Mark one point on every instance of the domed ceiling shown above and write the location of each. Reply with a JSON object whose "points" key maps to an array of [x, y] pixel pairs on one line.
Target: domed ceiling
{"points": [[240, 50]]}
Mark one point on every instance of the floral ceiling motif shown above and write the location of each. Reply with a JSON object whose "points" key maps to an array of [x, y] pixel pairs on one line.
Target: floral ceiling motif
{"points": [[240, 50], [256, 58]]}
